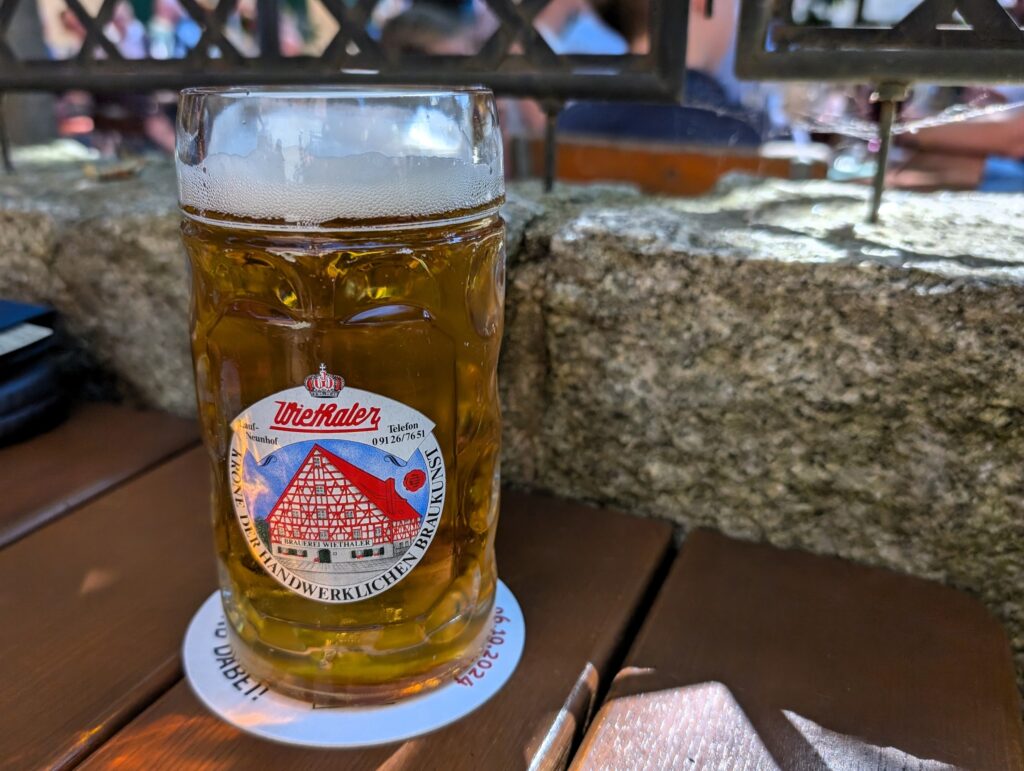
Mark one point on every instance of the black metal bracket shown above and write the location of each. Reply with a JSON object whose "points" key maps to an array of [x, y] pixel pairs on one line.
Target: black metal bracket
{"points": [[939, 41]]}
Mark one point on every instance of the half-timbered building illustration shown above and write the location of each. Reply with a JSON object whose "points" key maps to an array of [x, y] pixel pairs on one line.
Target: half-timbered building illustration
{"points": [[333, 517]]}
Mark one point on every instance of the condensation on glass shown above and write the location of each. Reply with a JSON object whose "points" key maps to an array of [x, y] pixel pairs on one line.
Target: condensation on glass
{"points": [[347, 297]]}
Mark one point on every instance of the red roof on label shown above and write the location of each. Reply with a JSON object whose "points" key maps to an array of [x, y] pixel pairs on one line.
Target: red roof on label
{"points": [[381, 492]]}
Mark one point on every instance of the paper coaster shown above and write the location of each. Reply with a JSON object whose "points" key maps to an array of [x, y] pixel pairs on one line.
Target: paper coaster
{"points": [[225, 688]]}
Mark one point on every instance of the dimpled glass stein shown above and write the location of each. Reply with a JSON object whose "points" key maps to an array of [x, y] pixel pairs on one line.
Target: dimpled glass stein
{"points": [[347, 296]]}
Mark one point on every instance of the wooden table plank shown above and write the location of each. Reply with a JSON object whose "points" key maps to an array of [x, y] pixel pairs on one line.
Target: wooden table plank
{"points": [[98, 447], [758, 658], [579, 586], [95, 607]]}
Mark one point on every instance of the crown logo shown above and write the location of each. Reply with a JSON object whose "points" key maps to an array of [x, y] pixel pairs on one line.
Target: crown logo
{"points": [[324, 385]]}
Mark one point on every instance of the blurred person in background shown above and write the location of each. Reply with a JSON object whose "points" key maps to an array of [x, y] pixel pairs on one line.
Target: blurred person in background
{"points": [[471, 17], [714, 112], [440, 28], [172, 32], [985, 152], [574, 27], [129, 122], [115, 123], [127, 33], [433, 28], [73, 108], [70, 38]]}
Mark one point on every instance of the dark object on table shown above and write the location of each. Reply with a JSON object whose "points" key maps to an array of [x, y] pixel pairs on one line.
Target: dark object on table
{"points": [[32, 398]]}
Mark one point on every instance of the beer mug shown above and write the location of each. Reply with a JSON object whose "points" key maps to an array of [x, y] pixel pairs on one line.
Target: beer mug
{"points": [[347, 276]]}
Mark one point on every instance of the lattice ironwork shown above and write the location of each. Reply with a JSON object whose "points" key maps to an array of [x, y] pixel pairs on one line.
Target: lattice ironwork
{"points": [[939, 41], [516, 60]]}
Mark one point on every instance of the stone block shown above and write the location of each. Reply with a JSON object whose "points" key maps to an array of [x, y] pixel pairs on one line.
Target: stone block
{"points": [[759, 360]]}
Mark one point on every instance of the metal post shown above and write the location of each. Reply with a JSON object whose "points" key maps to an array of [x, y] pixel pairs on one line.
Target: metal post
{"points": [[520, 161], [268, 22], [552, 109], [5, 140], [887, 95]]}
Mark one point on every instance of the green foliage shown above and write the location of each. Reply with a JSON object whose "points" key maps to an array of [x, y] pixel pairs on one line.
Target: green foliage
{"points": [[263, 529]]}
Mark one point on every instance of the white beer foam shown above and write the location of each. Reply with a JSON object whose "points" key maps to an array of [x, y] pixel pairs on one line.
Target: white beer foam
{"points": [[332, 164], [368, 186]]}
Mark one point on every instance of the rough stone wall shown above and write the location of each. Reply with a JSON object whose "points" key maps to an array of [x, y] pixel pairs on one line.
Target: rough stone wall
{"points": [[108, 256], [762, 362], [758, 361]]}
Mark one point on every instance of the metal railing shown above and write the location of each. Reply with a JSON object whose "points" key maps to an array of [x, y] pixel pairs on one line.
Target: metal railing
{"points": [[515, 61], [939, 41]]}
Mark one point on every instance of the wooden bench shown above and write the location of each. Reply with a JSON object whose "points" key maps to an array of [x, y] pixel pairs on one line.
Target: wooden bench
{"points": [[662, 167], [749, 654]]}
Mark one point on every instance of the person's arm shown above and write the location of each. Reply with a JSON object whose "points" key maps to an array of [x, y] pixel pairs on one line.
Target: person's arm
{"points": [[1000, 134], [160, 131], [927, 171]]}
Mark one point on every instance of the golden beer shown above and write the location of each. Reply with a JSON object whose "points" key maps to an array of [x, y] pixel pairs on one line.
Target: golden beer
{"points": [[345, 355]]}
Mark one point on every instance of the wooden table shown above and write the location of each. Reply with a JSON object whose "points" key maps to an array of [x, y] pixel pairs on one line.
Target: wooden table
{"points": [[749, 657]]}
